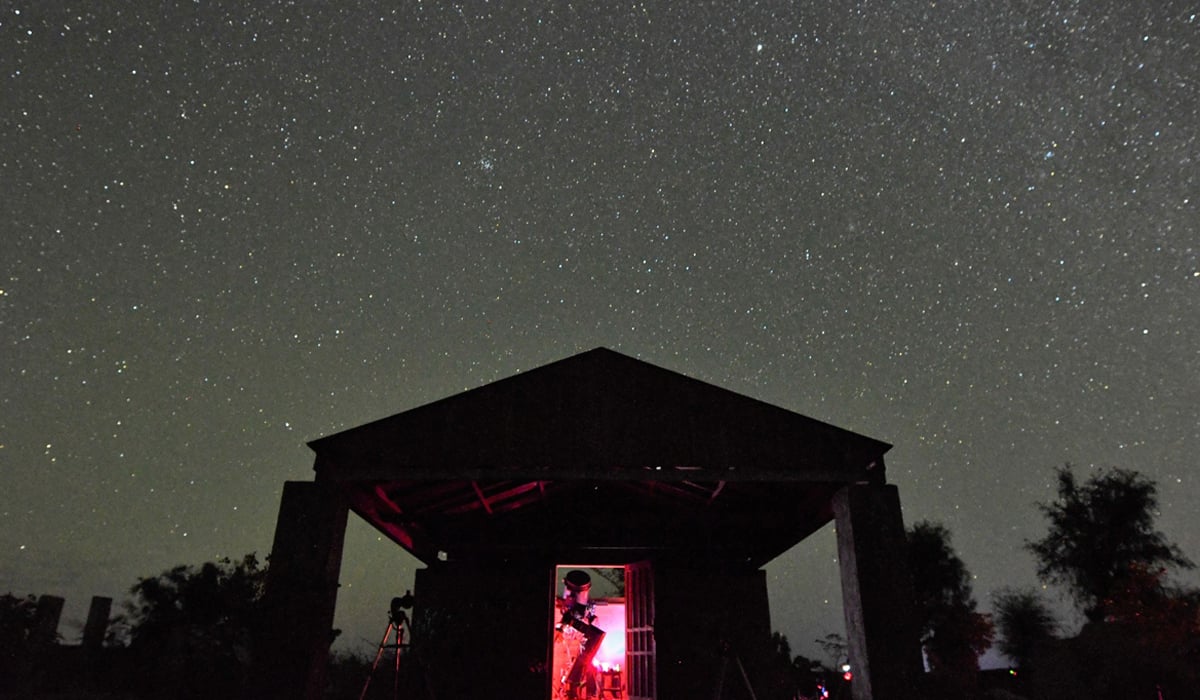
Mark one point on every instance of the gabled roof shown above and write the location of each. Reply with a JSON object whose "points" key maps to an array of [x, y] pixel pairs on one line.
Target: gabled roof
{"points": [[601, 415], [599, 457]]}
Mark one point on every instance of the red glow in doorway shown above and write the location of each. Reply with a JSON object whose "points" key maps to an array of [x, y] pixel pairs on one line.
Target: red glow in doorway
{"points": [[588, 646]]}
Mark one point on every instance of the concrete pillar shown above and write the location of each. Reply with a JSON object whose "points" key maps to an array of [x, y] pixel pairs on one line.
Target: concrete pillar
{"points": [[30, 667], [44, 631], [97, 623], [301, 590], [877, 593]]}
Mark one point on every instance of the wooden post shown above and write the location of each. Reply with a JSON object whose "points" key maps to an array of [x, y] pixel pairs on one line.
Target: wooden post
{"points": [[292, 649], [97, 623], [877, 593]]}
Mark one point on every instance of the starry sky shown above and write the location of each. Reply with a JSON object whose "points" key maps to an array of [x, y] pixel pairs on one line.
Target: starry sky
{"points": [[965, 228]]}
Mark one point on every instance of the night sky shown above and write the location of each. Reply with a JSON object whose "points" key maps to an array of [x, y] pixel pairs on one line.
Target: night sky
{"points": [[226, 228]]}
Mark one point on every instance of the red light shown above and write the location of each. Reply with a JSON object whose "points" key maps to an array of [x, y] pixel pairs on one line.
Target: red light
{"points": [[848, 676]]}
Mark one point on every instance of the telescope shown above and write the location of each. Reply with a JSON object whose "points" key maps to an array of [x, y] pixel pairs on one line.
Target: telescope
{"points": [[396, 611]]}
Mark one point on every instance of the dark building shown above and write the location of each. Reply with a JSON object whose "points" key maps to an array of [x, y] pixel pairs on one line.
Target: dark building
{"points": [[596, 462]]}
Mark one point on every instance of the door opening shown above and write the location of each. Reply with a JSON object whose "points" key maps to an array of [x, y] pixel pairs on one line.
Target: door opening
{"points": [[588, 646]]}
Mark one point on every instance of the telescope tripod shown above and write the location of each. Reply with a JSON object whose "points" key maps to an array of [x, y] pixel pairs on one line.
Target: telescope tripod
{"points": [[726, 653], [397, 624]]}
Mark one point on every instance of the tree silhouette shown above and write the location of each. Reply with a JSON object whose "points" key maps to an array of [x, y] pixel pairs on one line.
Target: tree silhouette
{"points": [[784, 676], [16, 623], [953, 634], [835, 647], [1100, 532], [1024, 621], [16, 620], [192, 628]]}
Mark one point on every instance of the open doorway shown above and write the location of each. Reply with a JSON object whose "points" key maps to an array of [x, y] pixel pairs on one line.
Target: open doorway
{"points": [[588, 645]]}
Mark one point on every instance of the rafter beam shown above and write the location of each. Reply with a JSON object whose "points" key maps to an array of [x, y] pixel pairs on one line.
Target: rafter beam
{"points": [[482, 499], [716, 492]]}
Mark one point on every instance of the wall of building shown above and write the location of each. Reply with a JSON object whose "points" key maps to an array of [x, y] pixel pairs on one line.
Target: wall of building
{"points": [[481, 631], [705, 620]]}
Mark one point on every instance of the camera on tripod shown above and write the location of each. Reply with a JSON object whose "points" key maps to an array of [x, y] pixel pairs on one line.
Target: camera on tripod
{"points": [[396, 614]]}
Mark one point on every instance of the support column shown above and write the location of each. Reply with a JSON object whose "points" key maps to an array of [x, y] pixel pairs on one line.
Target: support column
{"points": [[44, 632], [301, 591], [33, 662], [877, 593], [97, 623]]}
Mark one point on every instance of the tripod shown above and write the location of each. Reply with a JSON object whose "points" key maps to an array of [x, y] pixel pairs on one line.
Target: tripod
{"points": [[727, 652], [397, 623]]}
